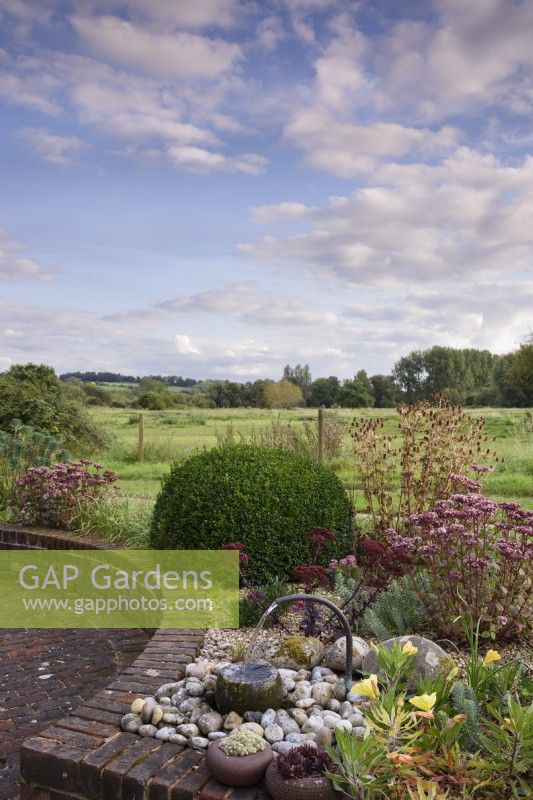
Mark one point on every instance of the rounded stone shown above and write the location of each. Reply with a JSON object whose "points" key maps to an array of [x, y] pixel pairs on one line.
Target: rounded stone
{"points": [[214, 735], [335, 657], [165, 733], [196, 670], [429, 662], [148, 709], [168, 689], [136, 706], [305, 702], [313, 725], [267, 717], [173, 719], [233, 720], [346, 709], [157, 715], [274, 733], [322, 693], [198, 742], [188, 730], [130, 723], [194, 689], [253, 716], [210, 722], [189, 704], [177, 738], [333, 704], [298, 715], [324, 736], [165, 701], [249, 687], [147, 730], [297, 652]]}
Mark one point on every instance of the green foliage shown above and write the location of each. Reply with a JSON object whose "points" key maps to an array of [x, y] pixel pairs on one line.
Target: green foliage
{"points": [[117, 519], [23, 447], [396, 612], [34, 395], [361, 769], [283, 394], [507, 742], [253, 604], [356, 393], [267, 499]]}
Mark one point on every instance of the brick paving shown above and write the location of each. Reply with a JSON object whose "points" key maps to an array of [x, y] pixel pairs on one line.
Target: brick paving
{"points": [[45, 674]]}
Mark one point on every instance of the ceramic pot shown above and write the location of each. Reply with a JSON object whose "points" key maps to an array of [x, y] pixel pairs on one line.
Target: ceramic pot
{"points": [[314, 787], [237, 770]]}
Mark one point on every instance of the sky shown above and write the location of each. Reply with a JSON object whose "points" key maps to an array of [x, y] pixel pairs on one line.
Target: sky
{"points": [[215, 188]]}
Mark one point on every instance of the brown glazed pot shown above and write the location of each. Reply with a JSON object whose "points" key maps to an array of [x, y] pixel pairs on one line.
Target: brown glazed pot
{"points": [[237, 770], [314, 787]]}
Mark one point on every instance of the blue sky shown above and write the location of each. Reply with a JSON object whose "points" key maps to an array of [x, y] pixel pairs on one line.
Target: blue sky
{"points": [[215, 188]]}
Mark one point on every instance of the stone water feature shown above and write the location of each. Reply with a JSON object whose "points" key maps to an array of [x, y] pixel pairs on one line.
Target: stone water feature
{"points": [[286, 706]]}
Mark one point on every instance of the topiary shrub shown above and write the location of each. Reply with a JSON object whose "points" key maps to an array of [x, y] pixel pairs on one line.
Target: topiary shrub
{"points": [[265, 498]]}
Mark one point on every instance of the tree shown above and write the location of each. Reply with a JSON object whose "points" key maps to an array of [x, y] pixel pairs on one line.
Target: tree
{"points": [[356, 393], [409, 374], [33, 394], [323, 392], [519, 375], [283, 394], [384, 390], [300, 375]]}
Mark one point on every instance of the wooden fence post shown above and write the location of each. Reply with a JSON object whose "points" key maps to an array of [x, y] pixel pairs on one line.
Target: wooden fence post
{"points": [[140, 449]]}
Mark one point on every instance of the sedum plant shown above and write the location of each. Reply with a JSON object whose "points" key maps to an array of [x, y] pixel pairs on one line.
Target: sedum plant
{"points": [[242, 743]]}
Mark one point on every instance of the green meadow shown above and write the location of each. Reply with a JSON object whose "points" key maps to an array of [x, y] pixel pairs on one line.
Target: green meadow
{"points": [[176, 434]]}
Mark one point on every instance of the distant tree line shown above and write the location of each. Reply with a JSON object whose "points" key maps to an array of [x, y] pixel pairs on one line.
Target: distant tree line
{"points": [[116, 377], [469, 377]]}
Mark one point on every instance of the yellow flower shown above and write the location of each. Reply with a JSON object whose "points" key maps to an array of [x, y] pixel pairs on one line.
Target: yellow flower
{"points": [[491, 657], [424, 702], [368, 687], [409, 649]]}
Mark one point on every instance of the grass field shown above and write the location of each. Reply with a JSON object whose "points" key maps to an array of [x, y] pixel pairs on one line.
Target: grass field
{"points": [[175, 435]]}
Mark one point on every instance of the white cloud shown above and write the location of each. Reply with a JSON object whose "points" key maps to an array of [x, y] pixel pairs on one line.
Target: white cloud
{"points": [[290, 209], [197, 14], [60, 150], [15, 266], [178, 54], [184, 346], [469, 216], [270, 32]]}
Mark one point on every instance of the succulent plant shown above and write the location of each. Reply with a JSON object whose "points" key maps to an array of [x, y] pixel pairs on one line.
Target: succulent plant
{"points": [[242, 743], [301, 762]]}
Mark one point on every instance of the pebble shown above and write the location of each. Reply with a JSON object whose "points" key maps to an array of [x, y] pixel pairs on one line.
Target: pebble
{"points": [[333, 705], [165, 701], [198, 742], [179, 696], [147, 730], [194, 689], [210, 722], [189, 704], [313, 725], [177, 738], [157, 715], [346, 709], [267, 717], [339, 690], [168, 689], [165, 733], [287, 724], [306, 702], [360, 731], [324, 736], [188, 730], [130, 723], [253, 716], [233, 720], [298, 715], [274, 733], [173, 719], [214, 735], [147, 709], [196, 670], [136, 706]]}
